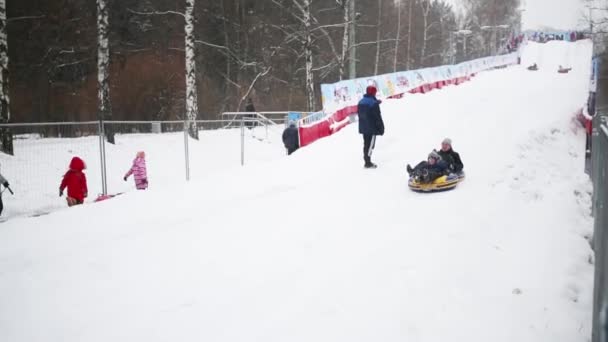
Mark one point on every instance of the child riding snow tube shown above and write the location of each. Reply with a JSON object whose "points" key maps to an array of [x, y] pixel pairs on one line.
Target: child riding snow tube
{"points": [[433, 175]]}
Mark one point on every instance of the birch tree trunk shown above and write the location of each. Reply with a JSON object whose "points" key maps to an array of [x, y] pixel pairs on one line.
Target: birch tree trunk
{"points": [[377, 61], [345, 37], [103, 67], [398, 36], [425, 18], [6, 137], [191, 94], [310, 86], [409, 34]]}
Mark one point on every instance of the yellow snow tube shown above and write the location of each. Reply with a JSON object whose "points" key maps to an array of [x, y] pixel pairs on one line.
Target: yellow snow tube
{"points": [[442, 183]]}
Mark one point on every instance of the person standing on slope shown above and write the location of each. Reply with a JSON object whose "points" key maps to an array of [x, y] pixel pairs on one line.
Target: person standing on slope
{"points": [[139, 172], [4, 182], [370, 124], [76, 182], [249, 107], [291, 139]]}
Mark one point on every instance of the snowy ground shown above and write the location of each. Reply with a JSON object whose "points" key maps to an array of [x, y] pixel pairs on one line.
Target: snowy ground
{"points": [[315, 248], [38, 166]]}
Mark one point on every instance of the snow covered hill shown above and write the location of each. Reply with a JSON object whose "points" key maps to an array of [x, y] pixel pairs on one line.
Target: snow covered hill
{"points": [[313, 247]]}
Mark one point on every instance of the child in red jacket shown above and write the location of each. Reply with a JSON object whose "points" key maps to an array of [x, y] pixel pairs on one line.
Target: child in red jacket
{"points": [[76, 182]]}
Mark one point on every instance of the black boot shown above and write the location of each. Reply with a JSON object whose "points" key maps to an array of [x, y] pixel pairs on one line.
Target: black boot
{"points": [[368, 163]]}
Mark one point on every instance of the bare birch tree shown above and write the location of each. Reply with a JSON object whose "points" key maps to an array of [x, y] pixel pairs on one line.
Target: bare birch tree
{"points": [[310, 85], [103, 66], [6, 136], [397, 36], [191, 92], [426, 8], [378, 32], [409, 34], [344, 4]]}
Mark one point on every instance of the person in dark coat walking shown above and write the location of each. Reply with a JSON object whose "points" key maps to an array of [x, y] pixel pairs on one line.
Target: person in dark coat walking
{"points": [[4, 182], [450, 156], [250, 108], [291, 139], [370, 124]]}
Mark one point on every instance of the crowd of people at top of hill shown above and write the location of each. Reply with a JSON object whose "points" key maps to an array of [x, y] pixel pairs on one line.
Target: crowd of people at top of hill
{"points": [[543, 37]]}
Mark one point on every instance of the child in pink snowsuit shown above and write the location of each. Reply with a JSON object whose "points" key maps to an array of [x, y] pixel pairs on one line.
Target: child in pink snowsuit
{"points": [[138, 170]]}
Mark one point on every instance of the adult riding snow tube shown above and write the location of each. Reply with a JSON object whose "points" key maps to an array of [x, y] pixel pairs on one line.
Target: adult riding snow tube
{"points": [[443, 183]]}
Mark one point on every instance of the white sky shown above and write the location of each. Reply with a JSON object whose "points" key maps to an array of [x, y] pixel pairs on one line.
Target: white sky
{"points": [[558, 14]]}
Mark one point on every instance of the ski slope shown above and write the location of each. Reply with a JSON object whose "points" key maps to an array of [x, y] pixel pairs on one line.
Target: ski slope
{"points": [[313, 247]]}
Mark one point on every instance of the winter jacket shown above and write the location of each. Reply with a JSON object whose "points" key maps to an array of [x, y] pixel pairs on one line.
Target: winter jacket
{"points": [[75, 180], [138, 170], [452, 158], [290, 139], [432, 172], [370, 119]]}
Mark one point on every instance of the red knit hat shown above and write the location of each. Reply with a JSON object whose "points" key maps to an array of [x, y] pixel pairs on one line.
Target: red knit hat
{"points": [[371, 90]]}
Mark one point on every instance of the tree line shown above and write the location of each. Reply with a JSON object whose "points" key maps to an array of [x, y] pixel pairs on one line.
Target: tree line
{"points": [[75, 60]]}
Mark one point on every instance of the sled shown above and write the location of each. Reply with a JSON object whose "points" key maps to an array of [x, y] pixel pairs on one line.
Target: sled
{"points": [[443, 183], [105, 197]]}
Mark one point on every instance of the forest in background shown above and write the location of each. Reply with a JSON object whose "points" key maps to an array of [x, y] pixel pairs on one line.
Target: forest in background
{"points": [[276, 52]]}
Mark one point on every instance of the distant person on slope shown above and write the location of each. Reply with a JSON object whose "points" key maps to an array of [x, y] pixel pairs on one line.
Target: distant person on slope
{"points": [[451, 157], [139, 172], [76, 182], [4, 182], [370, 124], [428, 171], [250, 108], [291, 139]]}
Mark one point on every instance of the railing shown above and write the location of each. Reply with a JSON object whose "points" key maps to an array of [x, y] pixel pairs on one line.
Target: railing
{"points": [[42, 153], [599, 176]]}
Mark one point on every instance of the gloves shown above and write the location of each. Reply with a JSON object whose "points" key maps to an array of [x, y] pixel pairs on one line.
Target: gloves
{"points": [[5, 184], [60, 192], [125, 178]]}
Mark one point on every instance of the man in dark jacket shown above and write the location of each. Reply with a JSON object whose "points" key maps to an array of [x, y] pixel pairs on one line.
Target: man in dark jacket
{"points": [[370, 124], [450, 156], [428, 171], [290, 138], [250, 108], [4, 182]]}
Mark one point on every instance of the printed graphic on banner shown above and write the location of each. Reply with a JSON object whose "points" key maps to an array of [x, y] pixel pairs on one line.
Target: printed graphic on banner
{"points": [[312, 118], [594, 73], [346, 93]]}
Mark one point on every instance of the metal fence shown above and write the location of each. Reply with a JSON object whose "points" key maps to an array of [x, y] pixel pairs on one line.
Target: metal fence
{"points": [[42, 153], [599, 173]]}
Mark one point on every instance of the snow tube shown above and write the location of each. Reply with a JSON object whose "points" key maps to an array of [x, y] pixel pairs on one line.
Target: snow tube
{"points": [[442, 183]]}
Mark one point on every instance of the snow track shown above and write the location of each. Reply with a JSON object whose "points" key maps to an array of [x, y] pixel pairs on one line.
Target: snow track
{"points": [[312, 247]]}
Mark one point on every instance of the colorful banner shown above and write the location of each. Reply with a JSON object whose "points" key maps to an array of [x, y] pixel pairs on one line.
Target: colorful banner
{"points": [[348, 92]]}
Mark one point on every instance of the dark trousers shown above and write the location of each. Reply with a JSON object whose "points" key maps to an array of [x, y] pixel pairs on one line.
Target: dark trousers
{"points": [[291, 150], [369, 142]]}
